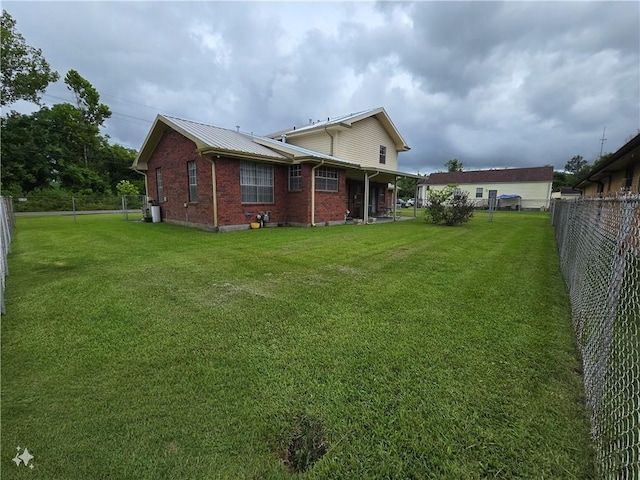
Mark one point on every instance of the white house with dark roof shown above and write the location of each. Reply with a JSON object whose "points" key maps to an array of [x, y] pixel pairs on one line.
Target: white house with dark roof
{"points": [[521, 188]]}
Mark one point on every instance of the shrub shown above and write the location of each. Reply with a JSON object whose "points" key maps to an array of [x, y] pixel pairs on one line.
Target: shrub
{"points": [[448, 206], [125, 187]]}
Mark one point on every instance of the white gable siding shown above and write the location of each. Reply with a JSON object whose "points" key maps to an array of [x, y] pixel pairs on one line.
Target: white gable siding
{"points": [[318, 141], [361, 144], [534, 194]]}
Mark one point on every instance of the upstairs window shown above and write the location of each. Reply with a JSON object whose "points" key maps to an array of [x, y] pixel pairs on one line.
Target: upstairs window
{"points": [[256, 182], [326, 179], [383, 154], [193, 181], [295, 178]]}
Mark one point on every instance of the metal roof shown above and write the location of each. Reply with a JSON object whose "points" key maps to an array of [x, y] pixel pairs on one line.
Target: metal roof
{"points": [[208, 136], [347, 120], [299, 151]]}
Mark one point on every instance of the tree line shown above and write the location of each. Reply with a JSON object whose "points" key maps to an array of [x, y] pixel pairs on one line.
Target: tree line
{"points": [[58, 148]]}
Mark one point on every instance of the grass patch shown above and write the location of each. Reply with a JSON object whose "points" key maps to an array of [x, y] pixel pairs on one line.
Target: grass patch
{"points": [[146, 351]]}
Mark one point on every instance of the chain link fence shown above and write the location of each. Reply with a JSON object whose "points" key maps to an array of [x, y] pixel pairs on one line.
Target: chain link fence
{"points": [[7, 223], [135, 207], [599, 245]]}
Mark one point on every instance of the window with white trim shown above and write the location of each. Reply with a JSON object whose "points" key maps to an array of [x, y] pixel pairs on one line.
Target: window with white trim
{"points": [[193, 181], [295, 177], [326, 179], [256, 182], [479, 192], [159, 186], [383, 154]]}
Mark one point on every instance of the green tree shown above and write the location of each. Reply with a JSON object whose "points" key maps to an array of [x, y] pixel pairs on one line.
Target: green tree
{"points": [[115, 162], [25, 165], [448, 206], [454, 165], [561, 179], [87, 99], [24, 70], [406, 187], [576, 164], [88, 102], [46, 149]]}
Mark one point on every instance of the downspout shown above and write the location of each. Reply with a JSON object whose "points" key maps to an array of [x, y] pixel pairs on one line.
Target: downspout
{"points": [[146, 187], [327, 132], [214, 193], [214, 196], [366, 195], [313, 193]]}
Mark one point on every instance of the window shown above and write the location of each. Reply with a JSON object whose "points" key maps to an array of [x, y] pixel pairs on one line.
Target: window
{"points": [[159, 185], [457, 193], [383, 154], [327, 179], [193, 181], [256, 182], [628, 178], [295, 178], [479, 192]]}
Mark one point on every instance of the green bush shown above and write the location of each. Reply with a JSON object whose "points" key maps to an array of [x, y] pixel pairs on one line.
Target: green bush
{"points": [[448, 206]]}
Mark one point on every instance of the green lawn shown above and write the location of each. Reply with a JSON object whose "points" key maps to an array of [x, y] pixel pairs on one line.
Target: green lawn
{"points": [[149, 351]]}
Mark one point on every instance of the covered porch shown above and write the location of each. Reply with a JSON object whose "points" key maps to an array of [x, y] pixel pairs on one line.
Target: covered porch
{"points": [[372, 195]]}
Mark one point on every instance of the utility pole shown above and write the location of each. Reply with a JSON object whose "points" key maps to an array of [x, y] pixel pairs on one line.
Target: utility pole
{"points": [[602, 140]]}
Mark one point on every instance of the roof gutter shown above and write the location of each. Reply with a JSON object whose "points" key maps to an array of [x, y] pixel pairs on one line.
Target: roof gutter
{"points": [[245, 156]]}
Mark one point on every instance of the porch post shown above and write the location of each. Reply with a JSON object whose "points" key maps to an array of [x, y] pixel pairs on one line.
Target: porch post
{"points": [[365, 200], [415, 201], [395, 196]]}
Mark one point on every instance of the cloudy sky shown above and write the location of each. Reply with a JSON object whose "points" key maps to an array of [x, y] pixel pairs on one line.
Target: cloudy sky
{"points": [[494, 84]]}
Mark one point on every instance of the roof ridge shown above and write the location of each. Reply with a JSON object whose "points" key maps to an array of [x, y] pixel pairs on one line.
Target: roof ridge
{"points": [[202, 123]]}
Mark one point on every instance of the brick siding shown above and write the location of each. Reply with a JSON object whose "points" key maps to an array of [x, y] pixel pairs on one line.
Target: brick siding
{"points": [[173, 153]]}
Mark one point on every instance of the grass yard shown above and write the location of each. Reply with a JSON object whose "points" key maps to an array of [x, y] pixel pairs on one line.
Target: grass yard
{"points": [[150, 351]]}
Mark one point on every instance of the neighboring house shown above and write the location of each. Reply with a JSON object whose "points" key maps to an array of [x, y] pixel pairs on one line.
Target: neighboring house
{"points": [[566, 193], [618, 173], [521, 188], [220, 179]]}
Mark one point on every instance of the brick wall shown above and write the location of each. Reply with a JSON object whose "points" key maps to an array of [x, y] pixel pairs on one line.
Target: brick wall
{"points": [[231, 210], [174, 151], [172, 154]]}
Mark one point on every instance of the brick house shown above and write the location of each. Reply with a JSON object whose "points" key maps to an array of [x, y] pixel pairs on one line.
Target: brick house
{"points": [[219, 179], [620, 173]]}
